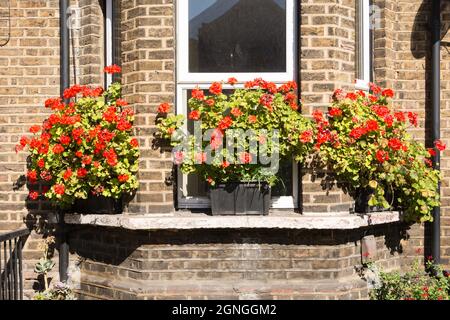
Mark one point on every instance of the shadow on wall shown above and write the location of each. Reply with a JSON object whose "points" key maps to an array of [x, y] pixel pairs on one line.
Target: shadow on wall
{"points": [[114, 246], [420, 49]]}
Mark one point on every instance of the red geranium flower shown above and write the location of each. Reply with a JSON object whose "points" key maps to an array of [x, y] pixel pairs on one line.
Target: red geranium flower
{"points": [[178, 157], [113, 69], [400, 116], [432, 152], [24, 141], [110, 115], [65, 140], [252, 119], [232, 81], [216, 88], [335, 112], [194, 115], [59, 189], [266, 100], [357, 133], [86, 160], [382, 156], [413, 118], [395, 144], [225, 123], [164, 108], [35, 129], [352, 96], [236, 112], [67, 174], [440, 145], [33, 195], [372, 125], [124, 125], [200, 157], [134, 143], [389, 120], [245, 158], [389, 93], [123, 178], [198, 94], [121, 103], [306, 136], [225, 164], [210, 102], [374, 88], [32, 176], [82, 173], [41, 163], [58, 149]]}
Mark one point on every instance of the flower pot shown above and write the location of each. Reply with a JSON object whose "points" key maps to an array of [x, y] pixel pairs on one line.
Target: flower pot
{"points": [[97, 205], [363, 196], [240, 199]]}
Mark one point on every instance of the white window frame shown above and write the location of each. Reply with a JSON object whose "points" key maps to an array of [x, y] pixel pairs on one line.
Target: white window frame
{"points": [[364, 53], [183, 74], [188, 81], [109, 39]]}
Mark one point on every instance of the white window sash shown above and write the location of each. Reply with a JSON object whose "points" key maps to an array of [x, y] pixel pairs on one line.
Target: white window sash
{"points": [[109, 39], [364, 61]]}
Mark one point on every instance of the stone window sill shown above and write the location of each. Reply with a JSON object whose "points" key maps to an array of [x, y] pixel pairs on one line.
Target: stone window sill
{"points": [[184, 221]]}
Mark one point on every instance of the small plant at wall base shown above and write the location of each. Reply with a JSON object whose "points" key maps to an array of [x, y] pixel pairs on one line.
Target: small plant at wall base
{"points": [[367, 145], [415, 284], [58, 291], [260, 124], [85, 148]]}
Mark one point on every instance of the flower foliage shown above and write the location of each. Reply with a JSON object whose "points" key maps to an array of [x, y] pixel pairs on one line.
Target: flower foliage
{"points": [[366, 143], [260, 107], [85, 146], [413, 285]]}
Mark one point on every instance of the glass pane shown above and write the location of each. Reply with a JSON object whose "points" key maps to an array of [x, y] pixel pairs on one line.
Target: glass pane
{"points": [[237, 36], [284, 187]]}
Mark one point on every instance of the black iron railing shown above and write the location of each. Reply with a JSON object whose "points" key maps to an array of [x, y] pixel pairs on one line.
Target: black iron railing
{"points": [[11, 278]]}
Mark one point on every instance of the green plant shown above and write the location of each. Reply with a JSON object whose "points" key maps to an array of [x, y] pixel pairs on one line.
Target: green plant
{"points": [[367, 145], [58, 291], [259, 114], [415, 284], [84, 147], [45, 264]]}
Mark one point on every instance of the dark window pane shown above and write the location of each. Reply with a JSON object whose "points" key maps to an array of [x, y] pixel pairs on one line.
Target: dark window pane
{"points": [[237, 35], [284, 186]]}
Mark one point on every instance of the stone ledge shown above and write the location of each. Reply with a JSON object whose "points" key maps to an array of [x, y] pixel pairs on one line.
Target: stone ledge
{"points": [[316, 221]]}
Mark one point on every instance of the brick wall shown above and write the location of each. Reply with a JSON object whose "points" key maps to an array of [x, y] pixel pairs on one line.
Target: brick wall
{"points": [[327, 62], [403, 62], [148, 55], [210, 263]]}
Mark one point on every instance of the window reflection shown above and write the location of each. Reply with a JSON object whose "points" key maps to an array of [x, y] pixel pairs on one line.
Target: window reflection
{"points": [[237, 36]]}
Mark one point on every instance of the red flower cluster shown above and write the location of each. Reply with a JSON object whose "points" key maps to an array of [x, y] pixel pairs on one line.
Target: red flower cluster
{"points": [[164, 108], [194, 115], [113, 69], [111, 157], [225, 123], [216, 88], [266, 100], [198, 94], [382, 156]]}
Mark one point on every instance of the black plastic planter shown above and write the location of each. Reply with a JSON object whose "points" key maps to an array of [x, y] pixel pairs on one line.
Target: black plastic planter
{"points": [[240, 199], [362, 201], [97, 205]]}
